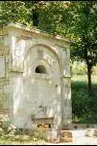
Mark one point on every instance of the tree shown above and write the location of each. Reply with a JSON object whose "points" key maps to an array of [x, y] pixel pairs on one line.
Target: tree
{"points": [[77, 20], [84, 32], [55, 17], [11, 11], [50, 16]]}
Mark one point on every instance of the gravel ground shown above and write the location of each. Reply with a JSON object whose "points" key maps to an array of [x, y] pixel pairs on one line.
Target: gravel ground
{"points": [[79, 138]]}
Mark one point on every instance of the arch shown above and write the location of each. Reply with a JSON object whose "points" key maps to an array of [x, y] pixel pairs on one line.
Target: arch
{"points": [[49, 48], [42, 62], [40, 69]]}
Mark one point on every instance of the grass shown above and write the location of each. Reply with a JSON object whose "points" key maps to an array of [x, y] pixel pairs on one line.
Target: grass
{"points": [[84, 105], [19, 142], [13, 136]]}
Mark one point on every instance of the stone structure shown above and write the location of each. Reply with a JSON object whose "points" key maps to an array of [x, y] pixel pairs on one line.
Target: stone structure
{"points": [[34, 76]]}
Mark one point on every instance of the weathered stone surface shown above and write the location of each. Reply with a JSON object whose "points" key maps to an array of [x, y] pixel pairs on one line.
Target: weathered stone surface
{"points": [[66, 136], [95, 133], [2, 66], [1, 89], [53, 136], [90, 132], [36, 78], [3, 81]]}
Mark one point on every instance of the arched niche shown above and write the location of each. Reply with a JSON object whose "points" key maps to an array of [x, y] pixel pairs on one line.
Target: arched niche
{"points": [[40, 69]]}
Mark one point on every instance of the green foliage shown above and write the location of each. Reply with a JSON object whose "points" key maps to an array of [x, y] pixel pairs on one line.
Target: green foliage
{"points": [[51, 16], [84, 32], [11, 11], [84, 105], [94, 70], [55, 17], [79, 68]]}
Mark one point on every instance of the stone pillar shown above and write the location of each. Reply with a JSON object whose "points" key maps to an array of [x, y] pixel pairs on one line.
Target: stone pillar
{"points": [[66, 101]]}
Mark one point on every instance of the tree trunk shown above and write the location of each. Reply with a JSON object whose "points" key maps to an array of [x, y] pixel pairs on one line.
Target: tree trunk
{"points": [[89, 71], [89, 77]]}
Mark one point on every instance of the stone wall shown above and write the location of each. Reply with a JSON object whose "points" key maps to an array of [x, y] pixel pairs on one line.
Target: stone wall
{"points": [[4, 81], [27, 92], [5, 106]]}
